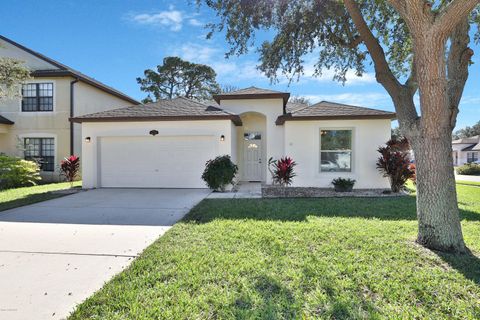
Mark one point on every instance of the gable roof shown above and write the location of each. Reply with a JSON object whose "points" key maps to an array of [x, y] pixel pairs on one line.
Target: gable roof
{"points": [[163, 110], [253, 93], [325, 110], [64, 70], [4, 120]]}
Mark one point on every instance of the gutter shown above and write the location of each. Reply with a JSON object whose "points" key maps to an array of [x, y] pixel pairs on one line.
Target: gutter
{"points": [[72, 105]]}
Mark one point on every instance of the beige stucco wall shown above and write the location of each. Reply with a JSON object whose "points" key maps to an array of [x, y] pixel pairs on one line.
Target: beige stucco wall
{"points": [[97, 130], [302, 143], [54, 124], [34, 63]]}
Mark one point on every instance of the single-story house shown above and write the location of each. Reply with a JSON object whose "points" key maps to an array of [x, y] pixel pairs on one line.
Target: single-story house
{"points": [[166, 144], [465, 150]]}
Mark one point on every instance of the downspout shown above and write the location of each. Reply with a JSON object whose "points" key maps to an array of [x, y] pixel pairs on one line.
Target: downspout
{"points": [[72, 104]]}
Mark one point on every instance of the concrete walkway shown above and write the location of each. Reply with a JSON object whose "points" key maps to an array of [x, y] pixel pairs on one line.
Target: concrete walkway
{"points": [[56, 253], [467, 178], [244, 190]]}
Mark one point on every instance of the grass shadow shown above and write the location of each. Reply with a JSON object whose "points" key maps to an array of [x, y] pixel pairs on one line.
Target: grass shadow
{"points": [[29, 199], [467, 264], [298, 209]]}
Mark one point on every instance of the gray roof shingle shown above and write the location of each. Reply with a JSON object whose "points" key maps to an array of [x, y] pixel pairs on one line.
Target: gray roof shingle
{"points": [[330, 110], [175, 109]]}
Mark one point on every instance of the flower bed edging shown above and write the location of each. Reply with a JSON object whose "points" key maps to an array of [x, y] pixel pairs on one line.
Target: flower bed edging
{"points": [[272, 191]]}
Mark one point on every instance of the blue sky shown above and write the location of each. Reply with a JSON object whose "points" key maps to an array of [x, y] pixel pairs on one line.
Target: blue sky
{"points": [[114, 41]]}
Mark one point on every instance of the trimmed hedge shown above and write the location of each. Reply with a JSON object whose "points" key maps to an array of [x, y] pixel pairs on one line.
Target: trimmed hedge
{"points": [[470, 169]]}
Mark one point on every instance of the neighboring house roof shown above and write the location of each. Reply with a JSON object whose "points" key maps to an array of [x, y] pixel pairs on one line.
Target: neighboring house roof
{"points": [[64, 70], [162, 110], [4, 120], [472, 142], [474, 139], [334, 111], [253, 93], [294, 106]]}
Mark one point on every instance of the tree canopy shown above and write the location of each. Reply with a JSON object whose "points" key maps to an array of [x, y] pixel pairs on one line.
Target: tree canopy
{"points": [[467, 131], [12, 73], [179, 78]]}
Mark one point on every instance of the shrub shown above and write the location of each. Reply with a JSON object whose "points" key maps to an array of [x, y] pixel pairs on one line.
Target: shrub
{"points": [[343, 185], [469, 169], [16, 172], [394, 163], [413, 168], [219, 172], [70, 168], [283, 171]]}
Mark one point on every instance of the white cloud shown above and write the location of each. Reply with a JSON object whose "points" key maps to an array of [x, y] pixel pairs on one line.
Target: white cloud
{"points": [[227, 70], [194, 22], [328, 74], [172, 19], [364, 99]]}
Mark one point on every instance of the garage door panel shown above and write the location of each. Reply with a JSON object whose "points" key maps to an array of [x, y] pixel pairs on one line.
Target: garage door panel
{"points": [[154, 162]]}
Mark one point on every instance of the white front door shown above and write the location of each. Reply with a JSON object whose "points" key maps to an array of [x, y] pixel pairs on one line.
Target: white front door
{"points": [[252, 155]]}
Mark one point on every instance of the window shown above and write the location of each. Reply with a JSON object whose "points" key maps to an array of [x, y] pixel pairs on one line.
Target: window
{"points": [[252, 136], [336, 150], [41, 150], [37, 97], [472, 156]]}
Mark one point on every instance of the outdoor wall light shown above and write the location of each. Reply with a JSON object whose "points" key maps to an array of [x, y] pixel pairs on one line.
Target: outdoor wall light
{"points": [[88, 139], [222, 138]]}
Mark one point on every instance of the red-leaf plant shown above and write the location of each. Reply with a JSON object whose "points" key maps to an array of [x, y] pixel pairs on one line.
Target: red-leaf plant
{"points": [[394, 163], [70, 168], [283, 171]]}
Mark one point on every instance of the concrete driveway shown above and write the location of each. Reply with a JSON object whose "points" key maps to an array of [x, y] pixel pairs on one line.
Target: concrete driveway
{"points": [[56, 253]]}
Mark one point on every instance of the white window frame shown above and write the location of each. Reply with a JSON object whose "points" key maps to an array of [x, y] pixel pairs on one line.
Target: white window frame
{"points": [[37, 113], [319, 152], [474, 156]]}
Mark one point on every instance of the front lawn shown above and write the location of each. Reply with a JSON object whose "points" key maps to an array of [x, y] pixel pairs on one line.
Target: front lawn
{"points": [[294, 259], [13, 198]]}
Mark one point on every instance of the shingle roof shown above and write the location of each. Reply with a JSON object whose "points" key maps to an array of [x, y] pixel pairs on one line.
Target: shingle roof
{"points": [[330, 110], [253, 93], [251, 90], [175, 109], [294, 106], [473, 140], [64, 70], [4, 120]]}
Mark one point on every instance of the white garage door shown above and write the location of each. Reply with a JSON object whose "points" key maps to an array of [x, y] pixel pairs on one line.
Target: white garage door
{"points": [[154, 162]]}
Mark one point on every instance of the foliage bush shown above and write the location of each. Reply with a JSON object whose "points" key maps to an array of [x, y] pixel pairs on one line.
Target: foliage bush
{"points": [[283, 171], [343, 185], [219, 172], [394, 163], [70, 167], [469, 169], [16, 172]]}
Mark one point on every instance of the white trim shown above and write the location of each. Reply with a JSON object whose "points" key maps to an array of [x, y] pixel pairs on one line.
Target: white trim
{"points": [[319, 172], [37, 113], [42, 135]]}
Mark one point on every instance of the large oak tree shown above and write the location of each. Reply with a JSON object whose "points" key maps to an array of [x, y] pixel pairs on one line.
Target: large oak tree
{"points": [[414, 45]]}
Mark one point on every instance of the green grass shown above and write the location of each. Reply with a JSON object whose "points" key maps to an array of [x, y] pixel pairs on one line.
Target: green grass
{"points": [[13, 198], [469, 183], [298, 259]]}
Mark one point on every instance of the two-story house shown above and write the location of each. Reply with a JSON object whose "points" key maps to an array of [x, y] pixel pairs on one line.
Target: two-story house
{"points": [[36, 125]]}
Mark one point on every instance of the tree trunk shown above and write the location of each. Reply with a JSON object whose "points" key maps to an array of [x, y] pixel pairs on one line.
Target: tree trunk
{"points": [[437, 210]]}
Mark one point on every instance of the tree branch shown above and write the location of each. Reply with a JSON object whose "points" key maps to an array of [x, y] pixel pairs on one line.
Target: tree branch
{"points": [[452, 14]]}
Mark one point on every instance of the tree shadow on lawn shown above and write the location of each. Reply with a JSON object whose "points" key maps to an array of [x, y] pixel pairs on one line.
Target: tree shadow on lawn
{"points": [[467, 264], [29, 199], [298, 209], [276, 301]]}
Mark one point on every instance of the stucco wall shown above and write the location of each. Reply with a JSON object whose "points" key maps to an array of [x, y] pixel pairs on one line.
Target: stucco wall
{"points": [[34, 63], [302, 143], [90, 164]]}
